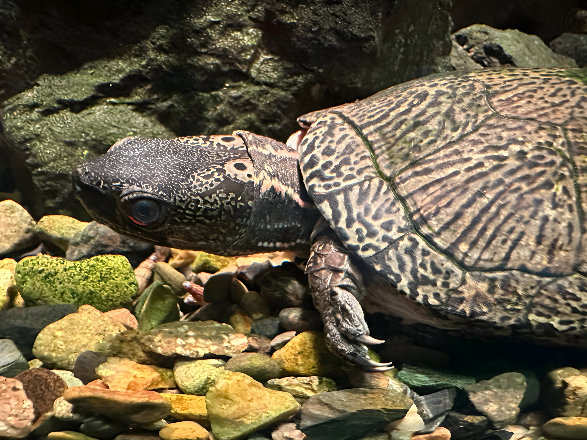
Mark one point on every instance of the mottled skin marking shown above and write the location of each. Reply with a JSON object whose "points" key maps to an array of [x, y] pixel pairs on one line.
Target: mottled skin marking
{"points": [[466, 191]]}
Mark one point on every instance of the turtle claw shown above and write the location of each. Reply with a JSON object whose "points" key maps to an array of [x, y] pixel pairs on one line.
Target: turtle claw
{"points": [[368, 340], [370, 365]]}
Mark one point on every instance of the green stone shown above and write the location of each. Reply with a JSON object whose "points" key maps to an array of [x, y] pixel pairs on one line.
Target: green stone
{"points": [[158, 305], [424, 380], [105, 282], [211, 263]]}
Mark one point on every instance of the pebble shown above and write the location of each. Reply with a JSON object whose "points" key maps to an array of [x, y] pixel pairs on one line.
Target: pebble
{"points": [[218, 287], [42, 387], [533, 418], [69, 435], [106, 282], [464, 426], [302, 388], [425, 380], [433, 407], [126, 406], [268, 327], [102, 428], [59, 344], [12, 362], [259, 343], [438, 434], [259, 366], [299, 319], [498, 398], [17, 229], [85, 365], [282, 289], [205, 262], [165, 380], [184, 431], [360, 378], [195, 339], [287, 431], [255, 305], [281, 339], [122, 374], [7, 287], [196, 377], [16, 410], [333, 415], [157, 305], [166, 274], [307, 355], [59, 229], [22, 325], [96, 239], [565, 393], [124, 316], [63, 410], [566, 428], [188, 407], [179, 257], [241, 322], [239, 405]]}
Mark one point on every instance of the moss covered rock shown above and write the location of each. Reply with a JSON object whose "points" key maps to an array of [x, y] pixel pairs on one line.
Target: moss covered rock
{"points": [[106, 282]]}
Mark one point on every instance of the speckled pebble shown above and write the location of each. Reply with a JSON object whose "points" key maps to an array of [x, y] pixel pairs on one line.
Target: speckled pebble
{"points": [[42, 387], [196, 377]]}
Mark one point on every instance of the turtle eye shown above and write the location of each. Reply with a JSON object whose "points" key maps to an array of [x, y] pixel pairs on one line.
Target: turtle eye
{"points": [[145, 211]]}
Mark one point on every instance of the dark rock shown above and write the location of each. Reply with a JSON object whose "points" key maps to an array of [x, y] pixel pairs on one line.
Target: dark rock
{"points": [[345, 414], [412, 354], [102, 428], [425, 380], [213, 311], [497, 435], [489, 47], [259, 366], [285, 286], [12, 362], [463, 426], [42, 387], [433, 408], [155, 71], [96, 239], [499, 397], [573, 46], [22, 325], [300, 320], [85, 365], [268, 327]]}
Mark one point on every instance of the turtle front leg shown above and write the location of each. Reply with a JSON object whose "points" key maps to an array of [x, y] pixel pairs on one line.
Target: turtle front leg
{"points": [[336, 287]]}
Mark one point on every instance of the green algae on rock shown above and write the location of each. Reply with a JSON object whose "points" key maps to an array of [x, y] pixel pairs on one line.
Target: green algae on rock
{"points": [[105, 282], [239, 405], [157, 305]]}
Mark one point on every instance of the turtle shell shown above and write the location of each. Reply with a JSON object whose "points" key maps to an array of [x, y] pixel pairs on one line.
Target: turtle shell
{"points": [[467, 191]]}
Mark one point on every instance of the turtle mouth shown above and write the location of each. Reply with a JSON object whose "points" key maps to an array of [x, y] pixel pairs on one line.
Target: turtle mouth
{"points": [[296, 139]]}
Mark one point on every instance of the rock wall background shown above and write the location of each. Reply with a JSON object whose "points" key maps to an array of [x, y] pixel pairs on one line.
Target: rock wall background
{"points": [[76, 77]]}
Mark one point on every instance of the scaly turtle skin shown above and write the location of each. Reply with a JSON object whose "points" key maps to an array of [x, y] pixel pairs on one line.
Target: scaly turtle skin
{"points": [[466, 191]]}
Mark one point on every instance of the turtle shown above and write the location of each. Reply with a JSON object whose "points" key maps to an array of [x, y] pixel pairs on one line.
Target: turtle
{"points": [[463, 191]]}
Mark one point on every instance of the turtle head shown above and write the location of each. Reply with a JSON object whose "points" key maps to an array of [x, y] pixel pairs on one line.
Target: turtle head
{"points": [[203, 192]]}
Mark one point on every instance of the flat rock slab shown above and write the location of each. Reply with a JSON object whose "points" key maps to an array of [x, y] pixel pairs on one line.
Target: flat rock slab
{"points": [[425, 380], [128, 406], [566, 428], [499, 397], [344, 414], [16, 410], [195, 339], [239, 405]]}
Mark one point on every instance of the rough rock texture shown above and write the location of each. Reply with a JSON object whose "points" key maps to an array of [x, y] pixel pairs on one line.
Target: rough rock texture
{"points": [[239, 405], [302, 388], [17, 228], [22, 325], [16, 410], [351, 413], [195, 339], [59, 344], [499, 397], [565, 392], [259, 366], [307, 355], [489, 47], [42, 387], [106, 282], [122, 374], [96, 239], [566, 428], [59, 229], [7, 286], [157, 305], [135, 406], [573, 46], [196, 377], [184, 431], [188, 407], [108, 72]]}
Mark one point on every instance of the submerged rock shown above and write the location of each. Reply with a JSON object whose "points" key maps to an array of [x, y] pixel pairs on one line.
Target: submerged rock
{"points": [[59, 229], [17, 228], [16, 410], [12, 362]]}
